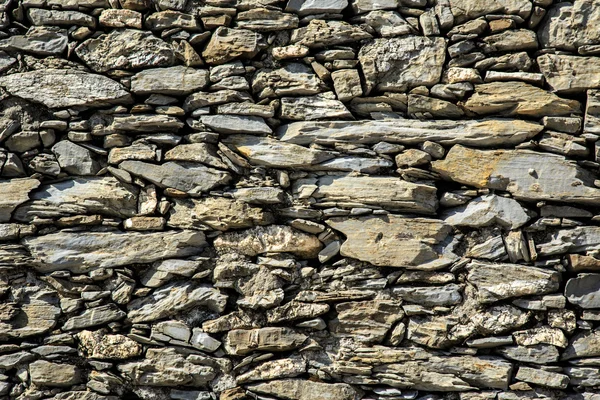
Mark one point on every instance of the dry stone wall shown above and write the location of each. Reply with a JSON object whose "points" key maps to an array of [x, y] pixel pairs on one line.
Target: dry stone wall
{"points": [[299, 199]]}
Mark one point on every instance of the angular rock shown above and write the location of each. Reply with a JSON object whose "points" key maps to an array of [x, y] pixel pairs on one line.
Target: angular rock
{"points": [[311, 108], [81, 252], [125, 49], [44, 373], [568, 26], [228, 44], [277, 369], [542, 378], [488, 210], [430, 296], [584, 290], [58, 88], [192, 178], [496, 282], [540, 335], [39, 16], [300, 389], [398, 64], [396, 241], [527, 175], [511, 40], [381, 191], [42, 40], [161, 272], [296, 310], [95, 195], [175, 81], [294, 79], [217, 213], [101, 346], [464, 10], [143, 123], [266, 20], [170, 19], [174, 298], [196, 152], [96, 316], [121, 18], [305, 7], [518, 99], [538, 354], [320, 33], [269, 239], [583, 344], [568, 74], [75, 159], [236, 124], [14, 192], [241, 342], [366, 321], [574, 240], [476, 133]]}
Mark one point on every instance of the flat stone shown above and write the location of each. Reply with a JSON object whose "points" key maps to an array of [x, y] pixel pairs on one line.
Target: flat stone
{"points": [[476, 133], [527, 175], [396, 241], [94, 195], [511, 40], [579, 263], [488, 210], [398, 64], [583, 344], [496, 282], [44, 373], [569, 74], [311, 108], [320, 33], [276, 369], [125, 49], [269, 239], [241, 342], [537, 354], [96, 316], [192, 178], [464, 10], [81, 252], [14, 192], [305, 7], [196, 152], [592, 112], [542, 378], [518, 99], [39, 16], [541, 335], [170, 19], [382, 191], [301, 389], [61, 88], [42, 40], [294, 79], [175, 81], [296, 310], [75, 159], [430, 296], [366, 321], [124, 123], [227, 44], [174, 298], [584, 290], [576, 240], [101, 346], [363, 6], [121, 18], [217, 213], [568, 26], [236, 124], [266, 20], [347, 84], [161, 272]]}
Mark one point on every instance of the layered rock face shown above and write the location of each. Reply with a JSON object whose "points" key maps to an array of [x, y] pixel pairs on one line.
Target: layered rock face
{"points": [[299, 199]]}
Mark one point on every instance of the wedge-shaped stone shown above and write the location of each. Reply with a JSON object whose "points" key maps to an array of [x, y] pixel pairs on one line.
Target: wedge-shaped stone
{"points": [[274, 153], [518, 99], [320, 33], [240, 341], [584, 290], [400, 63], [576, 240], [125, 49], [302, 389], [176, 81], [366, 321], [496, 282], [476, 133], [583, 344], [174, 298], [94, 195], [192, 178], [488, 210], [396, 241], [81, 252], [566, 73], [527, 175], [464, 10], [269, 239], [57, 88], [217, 213], [569, 25], [381, 191]]}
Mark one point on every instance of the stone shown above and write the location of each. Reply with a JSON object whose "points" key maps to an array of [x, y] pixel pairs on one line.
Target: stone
{"points": [[347, 84], [121, 19], [430, 296], [75, 159], [192, 178], [61, 88], [380, 191], [367, 321], [542, 378], [296, 310], [488, 210], [14, 192], [541, 335], [569, 74], [305, 7], [174, 81], [518, 99], [236, 124], [552, 177], [583, 344], [511, 40], [311, 108], [174, 298], [100, 346], [170, 19], [161, 272], [241, 342], [96, 195], [575, 240], [476, 133], [537, 354], [568, 26], [421, 105], [9, 361], [294, 79], [320, 33], [496, 282], [266, 20], [44, 373], [227, 44], [362, 6], [277, 369], [398, 64], [579, 263], [96, 316], [42, 40], [425, 243], [584, 290], [81, 252], [102, 125], [125, 49], [300, 389], [388, 23], [270, 239], [39, 16], [216, 213], [471, 9], [592, 112]]}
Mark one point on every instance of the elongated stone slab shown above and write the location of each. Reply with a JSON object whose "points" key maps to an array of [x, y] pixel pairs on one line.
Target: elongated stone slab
{"points": [[576, 240], [57, 88], [299, 389], [476, 133], [386, 192], [81, 252], [396, 241], [178, 80], [528, 175]]}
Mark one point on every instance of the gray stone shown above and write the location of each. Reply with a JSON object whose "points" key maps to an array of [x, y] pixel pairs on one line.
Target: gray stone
{"points": [[44, 373], [39, 16], [294, 79], [366, 321], [537, 354], [542, 378], [175, 81], [236, 124], [161, 272], [42, 40], [584, 290], [94, 317], [266, 20], [320, 33], [362, 6], [305, 7], [430, 296], [464, 10], [488, 210], [124, 123], [170, 19], [311, 108], [75, 159], [296, 310]]}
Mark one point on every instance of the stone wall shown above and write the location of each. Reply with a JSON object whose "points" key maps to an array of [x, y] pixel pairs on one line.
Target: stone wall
{"points": [[299, 199]]}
